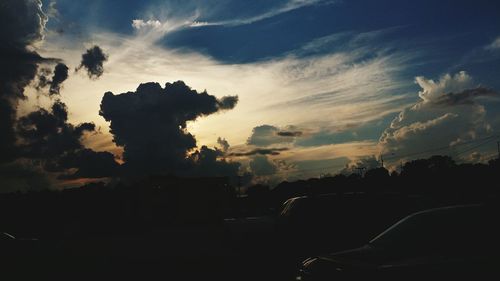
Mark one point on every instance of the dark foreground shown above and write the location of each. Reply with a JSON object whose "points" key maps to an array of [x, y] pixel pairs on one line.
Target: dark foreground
{"points": [[192, 229], [265, 248]]}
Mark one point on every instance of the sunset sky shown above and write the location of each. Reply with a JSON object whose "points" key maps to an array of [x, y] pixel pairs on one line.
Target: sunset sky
{"points": [[320, 85]]}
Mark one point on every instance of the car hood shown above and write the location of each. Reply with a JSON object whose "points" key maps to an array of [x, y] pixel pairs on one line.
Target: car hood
{"points": [[368, 257], [365, 256]]}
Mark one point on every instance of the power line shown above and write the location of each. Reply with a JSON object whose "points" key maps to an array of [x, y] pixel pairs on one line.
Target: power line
{"points": [[396, 156], [474, 147]]}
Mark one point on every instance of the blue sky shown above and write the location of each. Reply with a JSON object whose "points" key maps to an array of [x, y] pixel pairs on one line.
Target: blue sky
{"points": [[340, 72], [447, 29]]}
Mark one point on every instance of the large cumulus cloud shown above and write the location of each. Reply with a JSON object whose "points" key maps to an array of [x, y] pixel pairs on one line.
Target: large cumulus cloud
{"points": [[150, 124], [450, 111]]}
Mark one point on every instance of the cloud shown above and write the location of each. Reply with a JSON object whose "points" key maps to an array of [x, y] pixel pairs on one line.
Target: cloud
{"points": [[223, 143], [52, 11], [261, 151], [287, 6], [449, 113], [260, 165], [361, 165], [46, 134], [93, 61], [43, 79], [353, 87], [266, 135], [21, 23], [432, 90], [495, 45], [200, 23], [289, 133], [33, 144], [466, 96], [89, 164], [60, 75], [150, 124], [140, 24], [21, 26], [207, 162], [227, 102]]}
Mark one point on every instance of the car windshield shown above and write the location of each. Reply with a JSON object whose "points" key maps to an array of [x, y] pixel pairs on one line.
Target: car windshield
{"points": [[438, 229]]}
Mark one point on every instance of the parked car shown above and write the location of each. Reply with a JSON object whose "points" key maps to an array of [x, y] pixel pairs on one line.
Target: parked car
{"points": [[448, 242], [333, 222]]}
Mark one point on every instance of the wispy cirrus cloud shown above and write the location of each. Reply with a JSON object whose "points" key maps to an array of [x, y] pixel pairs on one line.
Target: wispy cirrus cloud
{"points": [[495, 45], [288, 6], [167, 18]]}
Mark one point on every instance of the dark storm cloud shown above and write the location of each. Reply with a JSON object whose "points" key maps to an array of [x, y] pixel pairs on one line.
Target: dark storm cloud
{"points": [[261, 151], [228, 102], [32, 145], [21, 24], [60, 75], [289, 133], [150, 124], [93, 61], [465, 97], [46, 134], [89, 164]]}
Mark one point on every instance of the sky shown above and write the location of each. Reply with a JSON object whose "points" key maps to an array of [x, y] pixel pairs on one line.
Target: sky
{"points": [[271, 90]]}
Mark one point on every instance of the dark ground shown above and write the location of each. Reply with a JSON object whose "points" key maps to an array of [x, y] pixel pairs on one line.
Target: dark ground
{"points": [[192, 229]]}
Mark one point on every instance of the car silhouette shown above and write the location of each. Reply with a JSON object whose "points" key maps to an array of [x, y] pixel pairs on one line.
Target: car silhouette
{"points": [[448, 242], [310, 225]]}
